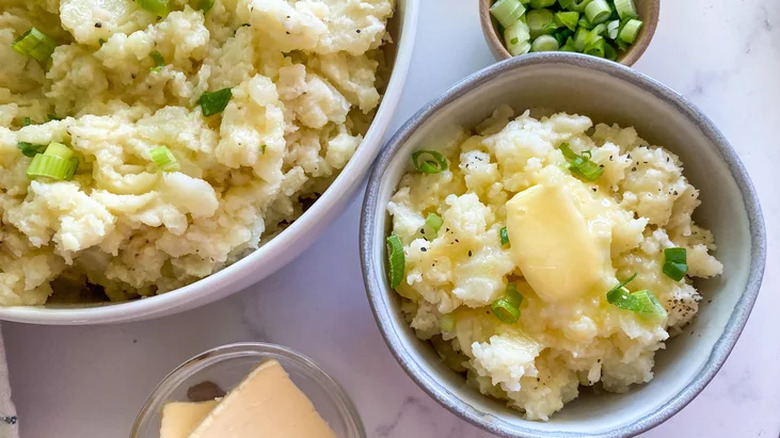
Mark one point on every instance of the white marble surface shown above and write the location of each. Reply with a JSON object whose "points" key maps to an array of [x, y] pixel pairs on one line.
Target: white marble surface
{"points": [[722, 54]]}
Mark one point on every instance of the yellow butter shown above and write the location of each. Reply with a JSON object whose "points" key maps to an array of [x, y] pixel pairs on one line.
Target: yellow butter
{"points": [[551, 243], [179, 419]]}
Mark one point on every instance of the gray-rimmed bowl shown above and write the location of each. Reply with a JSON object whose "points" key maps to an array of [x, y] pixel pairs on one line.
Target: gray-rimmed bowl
{"points": [[610, 92]]}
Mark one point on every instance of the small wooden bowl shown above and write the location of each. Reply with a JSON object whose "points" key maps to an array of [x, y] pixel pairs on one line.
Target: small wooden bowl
{"points": [[648, 12]]}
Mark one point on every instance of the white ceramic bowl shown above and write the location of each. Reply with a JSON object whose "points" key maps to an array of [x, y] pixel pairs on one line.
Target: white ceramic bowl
{"points": [[280, 250], [607, 92]]}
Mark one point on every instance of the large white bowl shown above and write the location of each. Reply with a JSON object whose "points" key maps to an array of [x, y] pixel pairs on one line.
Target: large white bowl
{"points": [[281, 249], [608, 92]]}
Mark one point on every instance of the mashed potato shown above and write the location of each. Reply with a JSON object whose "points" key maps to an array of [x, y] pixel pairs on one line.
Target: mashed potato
{"points": [[567, 334], [304, 90]]}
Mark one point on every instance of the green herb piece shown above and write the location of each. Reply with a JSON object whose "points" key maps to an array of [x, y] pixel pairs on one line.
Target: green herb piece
{"points": [[164, 159], [505, 311], [396, 260], [433, 224], [159, 61], [57, 162], [581, 165], [29, 149], [504, 236], [161, 8], [216, 102], [427, 161], [36, 45], [675, 263]]}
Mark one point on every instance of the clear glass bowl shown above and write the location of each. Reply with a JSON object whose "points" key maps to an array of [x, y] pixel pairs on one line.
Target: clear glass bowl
{"points": [[227, 365]]}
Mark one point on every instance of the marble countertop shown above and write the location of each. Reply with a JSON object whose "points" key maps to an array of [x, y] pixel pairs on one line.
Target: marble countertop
{"points": [[724, 55]]}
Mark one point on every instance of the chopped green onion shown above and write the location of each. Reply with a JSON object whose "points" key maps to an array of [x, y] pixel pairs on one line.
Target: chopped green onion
{"points": [[538, 4], [216, 102], [581, 165], [36, 45], [164, 159], [517, 39], [596, 48], [562, 35], [433, 224], [578, 5], [540, 22], [504, 236], [29, 149], [513, 296], [101, 42], [159, 61], [580, 37], [630, 31], [643, 301], [621, 297], [396, 260], [544, 43], [507, 12], [675, 263], [625, 9], [584, 23], [598, 11], [57, 163], [27, 121], [431, 161], [648, 304], [59, 150], [53, 117], [569, 46], [447, 322], [161, 8], [610, 52], [505, 311], [205, 5], [613, 29], [568, 19]]}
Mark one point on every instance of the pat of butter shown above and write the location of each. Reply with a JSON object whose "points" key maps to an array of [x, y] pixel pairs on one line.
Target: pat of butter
{"points": [[265, 404], [551, 243], [179, 419]]}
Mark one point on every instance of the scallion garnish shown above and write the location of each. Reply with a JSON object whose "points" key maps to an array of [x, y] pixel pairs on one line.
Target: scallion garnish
{"points": [[447, 322], [630, 31], [504, 236], [544, 43], [598, 11], [161, 8], [625, 9], [396, 260], [216, 102], [568, 19], [433, 224], [507, 308], [159, 61], [29, 149], [507, 12], [27, 121], [505, 311], [164, 159], [581, 165], [540, 22], [642, 302], [205, 5], [57, 162], [517, 38], [675, 263], [429, 161], [36, 45]]}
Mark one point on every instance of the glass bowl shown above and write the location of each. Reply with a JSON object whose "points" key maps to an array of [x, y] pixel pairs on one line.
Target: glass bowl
{"points": [[227, 365]]}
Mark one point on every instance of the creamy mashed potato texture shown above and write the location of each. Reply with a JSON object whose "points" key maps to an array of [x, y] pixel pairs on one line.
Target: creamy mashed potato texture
{"points": [[571, 241], [305, 87]]}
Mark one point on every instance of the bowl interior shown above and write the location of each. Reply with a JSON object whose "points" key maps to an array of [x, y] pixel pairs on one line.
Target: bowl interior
{"points": [[607, 93], [226, 366], [648, 10]]}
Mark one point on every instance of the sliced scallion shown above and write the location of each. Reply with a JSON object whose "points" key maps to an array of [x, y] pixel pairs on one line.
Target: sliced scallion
{"points": [[581, 165], [433, 224], [427, 161], [161, 8], [538, 4], [517, 38], [598, 11], [396, 260], [159, 61], [613, 29], [205, 5], [568, 19], [513, 296], [57, 162], [36, 45], [27, 121], [29, 149], [675, 263], [544, 43], [577, 5], [447, 322], [503, 236], [625, 9], [505, 311], [630, 31], [216, 102], [164, 159], [507, 12], [540, 22]]}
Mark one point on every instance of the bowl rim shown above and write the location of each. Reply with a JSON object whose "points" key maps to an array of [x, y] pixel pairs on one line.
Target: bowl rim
{"points": [[333, 388], [275, 253], [629, 58], [376, 287]]}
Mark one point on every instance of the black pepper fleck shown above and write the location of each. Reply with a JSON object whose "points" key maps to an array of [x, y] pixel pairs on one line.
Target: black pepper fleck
{"points": [[357, 31], [469, 253], [98, 25], [423, 249]]}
